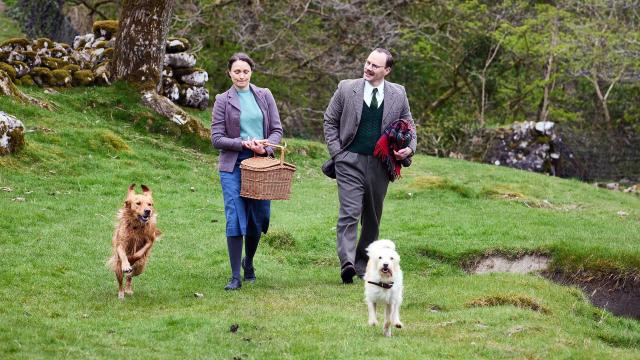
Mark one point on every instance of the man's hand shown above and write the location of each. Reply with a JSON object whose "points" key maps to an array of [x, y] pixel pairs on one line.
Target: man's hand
{"points": [[402, 153], [257, 146]]}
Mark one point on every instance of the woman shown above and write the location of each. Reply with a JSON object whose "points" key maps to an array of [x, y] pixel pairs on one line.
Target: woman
{"points": [[244, 118]]}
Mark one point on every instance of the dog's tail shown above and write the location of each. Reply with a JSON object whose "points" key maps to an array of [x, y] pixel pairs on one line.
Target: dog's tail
{"points": [[381, 244]]}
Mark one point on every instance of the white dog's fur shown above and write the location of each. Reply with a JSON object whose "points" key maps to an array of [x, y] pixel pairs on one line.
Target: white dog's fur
{"points": [[381, 253]]}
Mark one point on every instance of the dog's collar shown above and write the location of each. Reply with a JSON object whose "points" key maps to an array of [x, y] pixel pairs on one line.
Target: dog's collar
{"points": [[382, 285]]}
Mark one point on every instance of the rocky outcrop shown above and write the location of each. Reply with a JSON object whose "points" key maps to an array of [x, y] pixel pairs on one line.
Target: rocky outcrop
{"points": [[527, 145], [86, 62], [563, 151], [11, 134]]}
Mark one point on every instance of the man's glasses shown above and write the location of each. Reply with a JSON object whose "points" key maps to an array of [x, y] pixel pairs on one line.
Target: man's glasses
{"points": [[373, 66]]}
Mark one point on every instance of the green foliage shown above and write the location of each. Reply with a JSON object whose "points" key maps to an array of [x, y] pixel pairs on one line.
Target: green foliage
{"points": [[465, 65], [8, 27]]}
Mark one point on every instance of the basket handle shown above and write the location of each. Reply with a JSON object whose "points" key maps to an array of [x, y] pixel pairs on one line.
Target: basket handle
{"points": [[282, 149]]}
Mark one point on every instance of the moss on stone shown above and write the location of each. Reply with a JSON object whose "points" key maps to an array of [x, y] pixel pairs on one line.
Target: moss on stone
{"points": [[176, 45], [53, 63], [72, 68], [60, 78], [58, 53], [17, 82], [16, 140], [4, 55], [21, 68], [107, 28], [16, 42], [108, 53], [83, 78], [9, 70], [101, 44], [30, 55], [31, 58], [27, 80], [43, 43], [41, 75]]}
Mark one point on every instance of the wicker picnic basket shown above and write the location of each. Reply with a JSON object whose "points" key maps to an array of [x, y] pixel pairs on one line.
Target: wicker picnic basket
{"points": [[266, 178]]}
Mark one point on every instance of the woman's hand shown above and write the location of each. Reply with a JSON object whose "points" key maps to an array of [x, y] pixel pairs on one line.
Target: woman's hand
{"points": [[257, 146]]}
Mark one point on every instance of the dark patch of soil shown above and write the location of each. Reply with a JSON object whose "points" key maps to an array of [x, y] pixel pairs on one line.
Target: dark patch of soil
{"points": [[620, 297]]}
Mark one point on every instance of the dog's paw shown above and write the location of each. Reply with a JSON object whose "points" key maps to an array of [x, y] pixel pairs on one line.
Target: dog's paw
{"points": [[130, 292], [373, 322], [126, 269], [399, 325], [121, 295]]}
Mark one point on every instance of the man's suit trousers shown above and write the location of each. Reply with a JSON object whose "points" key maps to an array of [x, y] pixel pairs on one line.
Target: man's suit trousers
{"points": [[362, 186]]}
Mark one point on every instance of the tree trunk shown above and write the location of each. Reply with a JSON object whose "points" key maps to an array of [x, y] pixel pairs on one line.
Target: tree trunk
{"points": [[442, 99], [603, 101], [140, 46], [543, 115], [483, 81], [138, 58]]}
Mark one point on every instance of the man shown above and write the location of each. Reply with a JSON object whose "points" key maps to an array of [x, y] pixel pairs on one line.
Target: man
{"points": [[358, 113]]}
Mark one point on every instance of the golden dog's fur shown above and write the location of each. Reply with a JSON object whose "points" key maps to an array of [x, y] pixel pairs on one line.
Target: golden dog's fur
{"points": [[133, 237]]}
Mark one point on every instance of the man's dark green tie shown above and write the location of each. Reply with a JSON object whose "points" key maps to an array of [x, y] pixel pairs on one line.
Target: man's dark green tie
{"points": [[374, 100]]}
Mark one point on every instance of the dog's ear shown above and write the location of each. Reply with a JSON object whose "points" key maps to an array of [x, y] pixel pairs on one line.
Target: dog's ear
{"points": [[145, 190], [132, 190], [127, 204]]}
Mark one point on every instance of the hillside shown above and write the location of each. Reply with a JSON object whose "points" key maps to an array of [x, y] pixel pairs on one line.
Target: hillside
{"points": [[60, 196]]}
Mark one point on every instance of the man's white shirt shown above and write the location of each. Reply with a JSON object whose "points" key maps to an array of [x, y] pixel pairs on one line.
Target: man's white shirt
{"points": [[368, 90]]}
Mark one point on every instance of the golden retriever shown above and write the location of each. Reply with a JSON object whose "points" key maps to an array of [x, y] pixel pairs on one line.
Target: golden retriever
{"points": [[383, 284], [133, 237]]}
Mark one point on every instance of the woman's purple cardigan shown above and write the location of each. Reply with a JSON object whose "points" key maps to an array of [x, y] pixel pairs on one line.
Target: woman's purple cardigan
{"points": [[225, 124]]}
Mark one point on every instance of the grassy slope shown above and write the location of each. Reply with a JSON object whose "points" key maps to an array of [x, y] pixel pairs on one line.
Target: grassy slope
{"points": [[58, 299], [8, 28]]}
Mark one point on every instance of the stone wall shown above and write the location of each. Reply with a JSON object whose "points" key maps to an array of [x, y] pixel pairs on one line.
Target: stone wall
{"points": [[86, 63]]}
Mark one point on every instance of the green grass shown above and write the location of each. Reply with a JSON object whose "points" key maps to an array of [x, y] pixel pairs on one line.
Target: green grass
{"points": [[57, 298], [8, 27]]}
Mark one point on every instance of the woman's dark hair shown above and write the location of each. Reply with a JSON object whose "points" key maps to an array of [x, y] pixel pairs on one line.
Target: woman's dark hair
{"points": [[242, 57]]}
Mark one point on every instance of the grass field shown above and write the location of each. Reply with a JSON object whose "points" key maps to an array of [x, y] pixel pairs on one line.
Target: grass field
{"points": [[58, 299], [8, 28]]}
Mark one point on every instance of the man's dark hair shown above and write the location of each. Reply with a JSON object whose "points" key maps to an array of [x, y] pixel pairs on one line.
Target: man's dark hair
{"points": [[241, 57], [389, 63]]}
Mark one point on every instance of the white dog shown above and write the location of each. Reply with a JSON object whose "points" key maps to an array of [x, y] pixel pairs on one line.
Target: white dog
{"points": [[383, 283]]}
